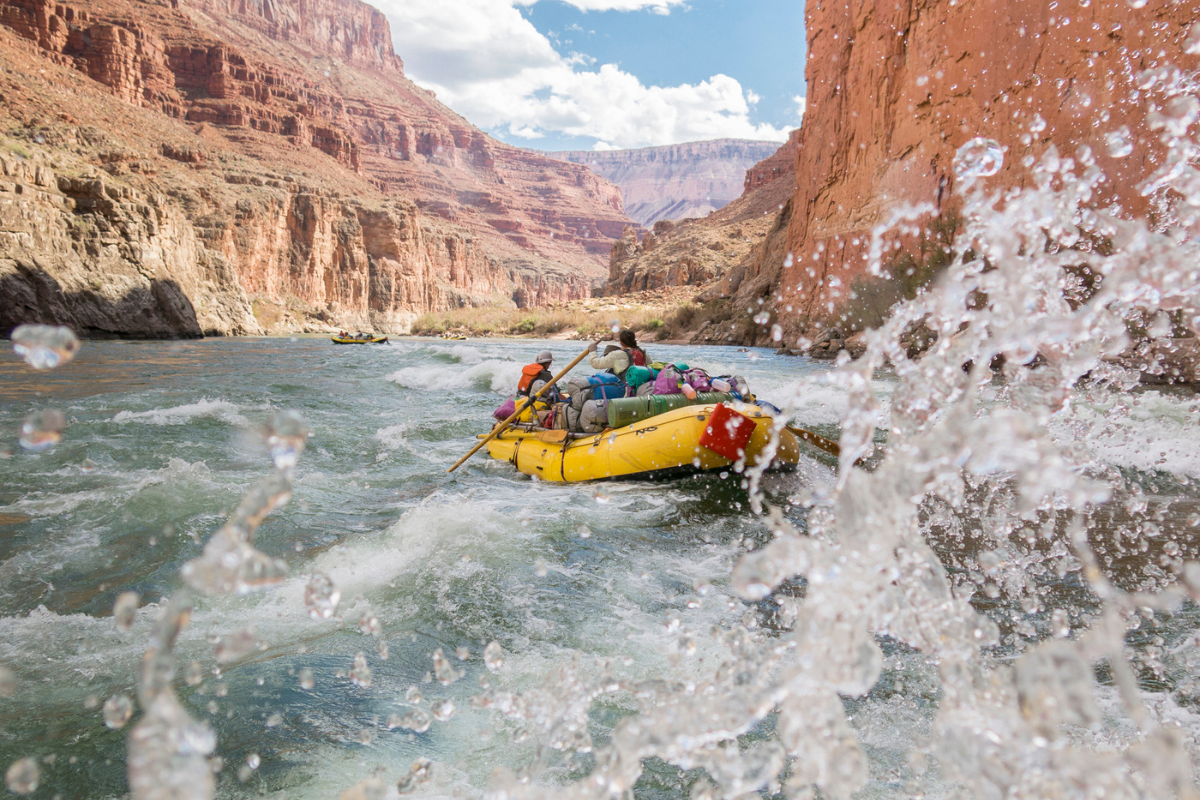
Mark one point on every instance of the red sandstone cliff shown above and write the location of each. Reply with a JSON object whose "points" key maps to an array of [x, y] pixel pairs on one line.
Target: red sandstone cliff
{"points": [[679, 181], [895, 87], [284, 137]]}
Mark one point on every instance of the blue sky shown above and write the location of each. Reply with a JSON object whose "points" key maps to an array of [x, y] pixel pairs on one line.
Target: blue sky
{"points": [[583, 74]]}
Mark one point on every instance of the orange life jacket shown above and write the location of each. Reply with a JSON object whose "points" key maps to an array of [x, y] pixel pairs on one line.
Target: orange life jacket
{"points": [[529, 374]]}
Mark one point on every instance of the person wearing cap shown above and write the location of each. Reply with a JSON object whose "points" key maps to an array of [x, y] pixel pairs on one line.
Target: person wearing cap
{"points": [[616, 358], [536, 375]]}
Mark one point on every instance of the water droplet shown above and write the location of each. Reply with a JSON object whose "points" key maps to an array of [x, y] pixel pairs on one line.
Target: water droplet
{"points": [[1119, 143], [22, 776], [230, 564], [368, 625], [413, 695], [443, 709], [462, 652], [42, 430], [978, 158], [237, 646], [274, 721], [1178, 114], [414, 720], [584, 532], [1060, 623], [443, 670], [44, 346], [321, 597], [540, 568], [286, 435], [194, 674], [306, 678], [417, 774], [381, 650], [1137, 3], [118, 710], [1191, 43], [253, 761], [125, 610], [360, 674], [493, 656], [88, 466]]}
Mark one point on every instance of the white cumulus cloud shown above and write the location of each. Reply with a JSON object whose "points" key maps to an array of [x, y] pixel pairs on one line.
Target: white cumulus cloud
{"points": [[657, 6], [801, 105], [491, 65]]}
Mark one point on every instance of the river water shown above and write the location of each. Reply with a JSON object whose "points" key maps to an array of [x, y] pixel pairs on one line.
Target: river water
{"points": [[164, 439], [607, 600]]}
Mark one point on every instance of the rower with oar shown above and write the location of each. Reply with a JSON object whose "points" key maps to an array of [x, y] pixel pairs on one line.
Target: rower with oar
{"points": [[521, 405], [630, 468]]}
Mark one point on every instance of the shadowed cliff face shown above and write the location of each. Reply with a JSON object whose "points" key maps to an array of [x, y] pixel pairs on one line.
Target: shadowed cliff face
{"points": [[896, 87], [293, 155]]}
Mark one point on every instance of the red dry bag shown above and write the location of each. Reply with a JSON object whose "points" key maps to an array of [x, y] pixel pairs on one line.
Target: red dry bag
{"points": [[727, 432]]}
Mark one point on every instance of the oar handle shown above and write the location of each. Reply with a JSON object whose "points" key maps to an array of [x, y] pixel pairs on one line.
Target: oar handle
{"points": [[817, 441], [521, 406]]}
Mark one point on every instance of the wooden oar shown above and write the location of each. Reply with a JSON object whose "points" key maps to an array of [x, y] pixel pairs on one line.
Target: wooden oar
{"points": [[819, 442], [525, 403]]}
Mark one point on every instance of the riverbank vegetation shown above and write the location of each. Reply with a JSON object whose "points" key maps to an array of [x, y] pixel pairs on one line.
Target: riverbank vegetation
{"points": [[576, 322]]}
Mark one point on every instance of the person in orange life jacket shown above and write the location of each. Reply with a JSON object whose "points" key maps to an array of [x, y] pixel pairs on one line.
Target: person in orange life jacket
{"points": [[618, 359], [536, 375]]}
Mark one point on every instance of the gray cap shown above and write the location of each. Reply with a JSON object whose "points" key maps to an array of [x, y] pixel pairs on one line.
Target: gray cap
{"points": [[544, 357]]}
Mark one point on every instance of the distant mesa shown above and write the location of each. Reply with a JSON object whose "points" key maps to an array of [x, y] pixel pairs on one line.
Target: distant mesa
{"points": [[714, 253], [679, 181]]}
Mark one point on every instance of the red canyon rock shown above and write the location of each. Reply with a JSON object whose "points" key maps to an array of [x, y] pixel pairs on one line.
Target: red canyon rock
{"points": [[895, 87], [283, 135]]}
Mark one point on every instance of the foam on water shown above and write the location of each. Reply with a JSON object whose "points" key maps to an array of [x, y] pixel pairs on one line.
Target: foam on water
{"points": [[221, 410], [497, 376], [1149, 432]]}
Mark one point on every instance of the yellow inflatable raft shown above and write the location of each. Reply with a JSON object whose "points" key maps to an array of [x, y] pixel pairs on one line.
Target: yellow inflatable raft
{"points": [[658, 447], [353, 340]]}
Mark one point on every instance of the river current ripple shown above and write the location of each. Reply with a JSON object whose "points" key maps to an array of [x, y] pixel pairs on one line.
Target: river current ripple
{"points": [[165, 437], [624, 579]]}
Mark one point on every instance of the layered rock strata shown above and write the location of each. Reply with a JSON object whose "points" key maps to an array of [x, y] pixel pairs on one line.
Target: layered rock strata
{"points": [[284, 139], [676, 182], [894, 89], [715, 252]]}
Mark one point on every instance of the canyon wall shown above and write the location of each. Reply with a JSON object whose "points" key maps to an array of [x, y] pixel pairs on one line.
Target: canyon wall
{"points": [[895, 87], [679, 181], [320, 187], [717, 251]]}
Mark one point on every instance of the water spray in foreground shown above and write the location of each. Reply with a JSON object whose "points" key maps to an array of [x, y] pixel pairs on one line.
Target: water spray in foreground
{"points": [[1018, 714], [168, 750]]}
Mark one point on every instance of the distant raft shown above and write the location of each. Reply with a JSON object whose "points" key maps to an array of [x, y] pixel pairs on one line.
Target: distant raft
{"points": [[354, 340], [454, 337], [664, 446]]}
